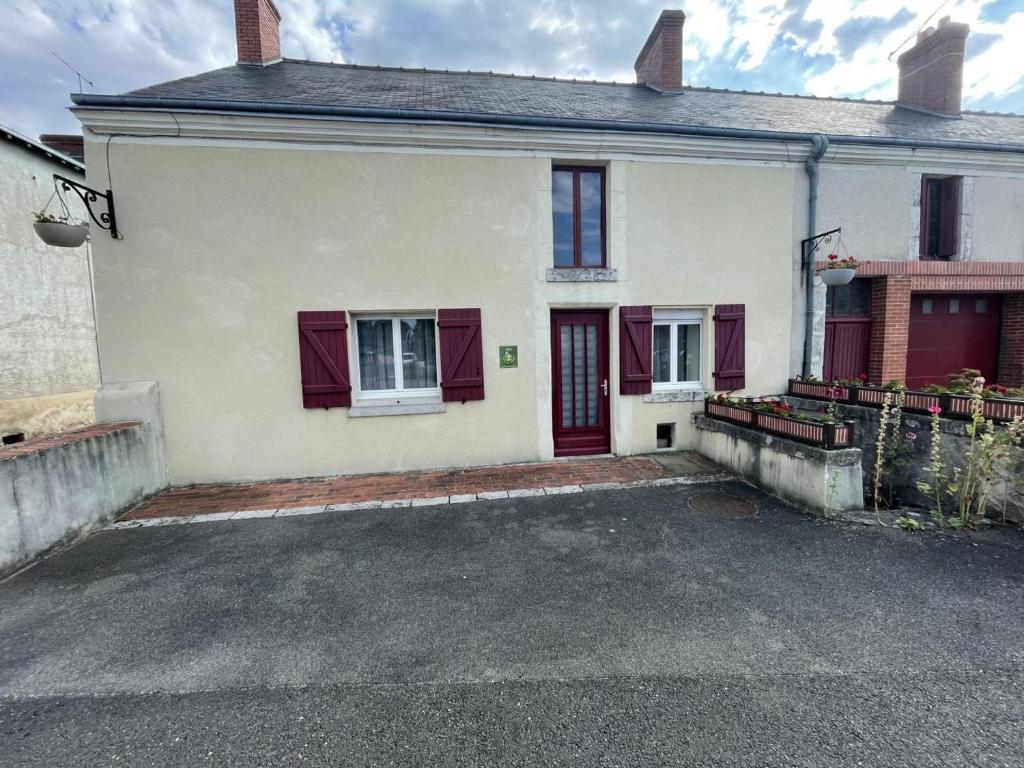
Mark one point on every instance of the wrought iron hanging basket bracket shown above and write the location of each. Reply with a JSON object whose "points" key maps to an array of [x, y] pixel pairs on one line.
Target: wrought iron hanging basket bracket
{"points": [[810, 245], [104, 219]]}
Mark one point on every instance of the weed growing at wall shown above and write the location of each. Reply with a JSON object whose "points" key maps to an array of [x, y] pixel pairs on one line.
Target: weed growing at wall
{"points": [[986, 463]]}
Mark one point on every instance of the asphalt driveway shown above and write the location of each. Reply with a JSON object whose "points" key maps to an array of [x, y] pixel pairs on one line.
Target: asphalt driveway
{"points": [[614, 628]]}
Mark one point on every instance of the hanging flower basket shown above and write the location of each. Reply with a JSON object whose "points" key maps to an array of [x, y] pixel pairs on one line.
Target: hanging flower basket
{"points": [[63, 234], [838, 271]]}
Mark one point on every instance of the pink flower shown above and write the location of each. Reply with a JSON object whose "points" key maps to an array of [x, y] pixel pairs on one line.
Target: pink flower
{"points": [[911, 436], [934, 409], [980, 381], [833, 256]]}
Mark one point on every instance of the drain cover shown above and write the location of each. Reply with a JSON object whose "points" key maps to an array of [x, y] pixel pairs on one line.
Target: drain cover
{"points": [[721, 505]]}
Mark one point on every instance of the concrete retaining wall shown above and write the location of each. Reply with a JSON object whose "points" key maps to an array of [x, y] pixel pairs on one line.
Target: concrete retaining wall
{"points": [[54, 488], [955, 443], [824, 482]]}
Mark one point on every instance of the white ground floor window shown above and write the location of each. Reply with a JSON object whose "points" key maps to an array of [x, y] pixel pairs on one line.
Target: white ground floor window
{"points": [[397, 355], [677, 348]]}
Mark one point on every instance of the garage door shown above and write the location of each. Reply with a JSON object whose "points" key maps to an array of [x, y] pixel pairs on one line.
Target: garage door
{"points": [[949, 332]]}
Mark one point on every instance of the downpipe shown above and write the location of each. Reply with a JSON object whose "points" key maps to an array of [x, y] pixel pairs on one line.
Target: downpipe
{"points": [[819, 146]]}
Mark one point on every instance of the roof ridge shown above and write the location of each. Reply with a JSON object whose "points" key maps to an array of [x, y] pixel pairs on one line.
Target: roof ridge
{"points": [[477, 72]]}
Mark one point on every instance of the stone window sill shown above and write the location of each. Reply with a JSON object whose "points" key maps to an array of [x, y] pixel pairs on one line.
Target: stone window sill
{"points": [[675, 396], [359, 410], [588, 275]]}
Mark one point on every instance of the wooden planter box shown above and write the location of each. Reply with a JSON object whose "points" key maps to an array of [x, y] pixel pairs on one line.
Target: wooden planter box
{"points": [[817, 433], [953, 406]]}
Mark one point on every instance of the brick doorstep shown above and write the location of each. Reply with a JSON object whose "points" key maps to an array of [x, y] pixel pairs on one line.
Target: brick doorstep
{"points": [[210, 499]]}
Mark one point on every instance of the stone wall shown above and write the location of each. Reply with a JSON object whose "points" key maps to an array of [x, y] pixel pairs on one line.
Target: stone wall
{"points": [[955, 443], [824, 482]]}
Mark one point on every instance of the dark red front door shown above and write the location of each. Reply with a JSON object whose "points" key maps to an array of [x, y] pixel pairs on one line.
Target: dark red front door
{"points": [[579, 379], [950, 332], [847, 330]]}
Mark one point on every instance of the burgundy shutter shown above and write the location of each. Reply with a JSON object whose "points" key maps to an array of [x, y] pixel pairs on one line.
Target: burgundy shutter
{"points": [[730, 352], [462, 355], [635, 350], [323, 358], [949, 213]]}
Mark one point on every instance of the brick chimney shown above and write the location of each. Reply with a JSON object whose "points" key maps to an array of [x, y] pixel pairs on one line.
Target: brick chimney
{"points": [[257, 30], [72, 145], [660, 63], [932, 72]]}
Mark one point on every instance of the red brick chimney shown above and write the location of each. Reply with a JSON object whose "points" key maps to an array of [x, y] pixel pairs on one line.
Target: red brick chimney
{"points": [[257, 30], [932, 72], [660, 63]]}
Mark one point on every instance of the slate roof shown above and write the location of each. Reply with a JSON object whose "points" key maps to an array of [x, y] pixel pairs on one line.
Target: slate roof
{"points": [[293, 82], [41, 149]]}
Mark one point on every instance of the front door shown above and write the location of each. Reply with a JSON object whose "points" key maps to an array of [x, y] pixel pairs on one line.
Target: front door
{"points": [[579, 372]]}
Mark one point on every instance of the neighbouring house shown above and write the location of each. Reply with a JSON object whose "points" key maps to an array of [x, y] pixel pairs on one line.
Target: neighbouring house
{"points": [[339, 269], [48, 355], [941, 228]]}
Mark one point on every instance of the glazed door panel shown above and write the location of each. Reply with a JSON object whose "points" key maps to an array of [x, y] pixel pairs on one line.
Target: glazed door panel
{"points": [[580, 388]]}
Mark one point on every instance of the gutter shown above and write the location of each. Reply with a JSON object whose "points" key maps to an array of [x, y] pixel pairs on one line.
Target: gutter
{"points": [[530, 121], [819, 146]]}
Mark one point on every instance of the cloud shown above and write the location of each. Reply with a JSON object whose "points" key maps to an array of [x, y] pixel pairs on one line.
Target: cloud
{"points": [[824, 47], [854, 33]]}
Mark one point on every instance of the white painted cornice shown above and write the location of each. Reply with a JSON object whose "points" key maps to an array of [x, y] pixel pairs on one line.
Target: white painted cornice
{"points": [[206, 127]]}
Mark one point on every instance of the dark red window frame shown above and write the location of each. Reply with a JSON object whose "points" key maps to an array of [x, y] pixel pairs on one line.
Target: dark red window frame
{"points": [[944, 242], [577, 218]]}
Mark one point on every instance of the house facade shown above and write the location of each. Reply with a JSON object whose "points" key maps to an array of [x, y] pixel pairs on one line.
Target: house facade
{"points": [[336, 269], [48, 355], [941, 230]]}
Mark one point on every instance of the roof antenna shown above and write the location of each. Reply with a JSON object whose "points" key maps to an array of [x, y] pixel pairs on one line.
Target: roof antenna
{"points": [[922, 26], [81, 77]]}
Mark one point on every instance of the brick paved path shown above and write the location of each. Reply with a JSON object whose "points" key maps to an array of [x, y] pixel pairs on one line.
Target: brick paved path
{"points": [[207, 499]]}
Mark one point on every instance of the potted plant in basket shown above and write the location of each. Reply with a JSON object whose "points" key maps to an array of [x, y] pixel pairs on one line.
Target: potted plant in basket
{"points": [[836, 271], [62, 232]]}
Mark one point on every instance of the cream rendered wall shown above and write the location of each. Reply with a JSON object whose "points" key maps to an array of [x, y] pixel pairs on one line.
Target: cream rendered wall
{"points": [[47, 339], [223, 243], [706, 235], [997, 232]]}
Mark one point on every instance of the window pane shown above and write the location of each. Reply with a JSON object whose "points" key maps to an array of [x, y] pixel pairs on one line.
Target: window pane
{"points": [[688, 344], [860, 303], [954, 306], [933, 192], [841, 302], [980, 306], [591, 215], [376, 355], [591, 375], [562, 218], [578, 379], [419, 361], [926, 306], [662, 353], [566, 361]]}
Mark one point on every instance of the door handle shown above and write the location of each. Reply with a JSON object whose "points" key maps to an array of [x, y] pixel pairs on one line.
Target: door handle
{"points": [[604, 386]]}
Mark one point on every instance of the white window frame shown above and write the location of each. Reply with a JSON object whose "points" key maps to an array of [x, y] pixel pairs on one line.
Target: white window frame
{"points": [[399, 393], [674, 318]]}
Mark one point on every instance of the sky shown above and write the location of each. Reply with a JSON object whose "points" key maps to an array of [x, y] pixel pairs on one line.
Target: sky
{"points": [[818, 47]]}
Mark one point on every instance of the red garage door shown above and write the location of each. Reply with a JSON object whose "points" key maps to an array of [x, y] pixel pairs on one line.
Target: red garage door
{"points": [[949, 332]]}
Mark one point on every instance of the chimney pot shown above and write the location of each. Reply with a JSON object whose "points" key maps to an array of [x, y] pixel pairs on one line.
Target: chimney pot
{"points": [[257, 31], [660, 63], [943, 21], [932, 72]]}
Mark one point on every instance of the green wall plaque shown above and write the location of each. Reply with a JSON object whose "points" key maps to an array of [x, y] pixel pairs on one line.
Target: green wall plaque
{"points": [[509, 357]]}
